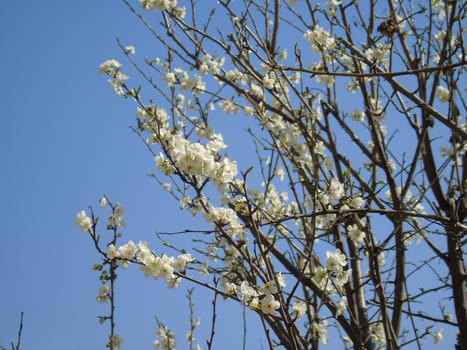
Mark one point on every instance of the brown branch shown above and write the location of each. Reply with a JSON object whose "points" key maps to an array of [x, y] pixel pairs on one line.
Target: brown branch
{"points": [[18, 341], [379, 73]]}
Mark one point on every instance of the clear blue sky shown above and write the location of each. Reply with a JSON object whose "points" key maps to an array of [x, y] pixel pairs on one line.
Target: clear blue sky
{"points": [[64, 143]]}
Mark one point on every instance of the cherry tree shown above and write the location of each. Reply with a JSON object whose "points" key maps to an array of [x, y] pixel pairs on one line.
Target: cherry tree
{"points": [[348, 187]]}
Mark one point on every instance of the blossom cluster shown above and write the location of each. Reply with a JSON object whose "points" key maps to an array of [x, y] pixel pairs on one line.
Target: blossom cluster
{"points": [[260, 299], [83, 221], [320, 39], [198, 159], [410, 201], [211, 65], [332, 277], [112, 69], [379, 53], [166, 339], [443, 94], [158, 4], [225, 217], [151, 264], [184, 81]]}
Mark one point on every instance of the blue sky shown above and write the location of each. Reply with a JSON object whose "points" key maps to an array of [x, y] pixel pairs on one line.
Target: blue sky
{"points": [[64, 143]]}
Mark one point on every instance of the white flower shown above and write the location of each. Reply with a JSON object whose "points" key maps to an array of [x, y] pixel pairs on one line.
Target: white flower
{"points": [[248, 293], [127, 251], [103, 294], [83, 221], [249, 110], [335, 189], [280, 278], [358, 116], [166, 339], [283, 55], [269, 304], [116, 219], [112, 252], [256, 91], [109, 66], [377, 332], [269, 287], [438, 336], [355, 234], [379, 53], [119, 211], [332, 4], [299, 308], [440, 35], [158, 4], [335, 261], [320, 39], [103, 202], [180, 12], [325, 79], [130, 49], [181, 261], [356, 202], [170, 78], [442, 93], [204, 269], [116, 341], [211, 65], [216, 143], [381, 259], [190, 337], [352, 86], [342, 306], [321, 331], [231, 288], [228, 106]]}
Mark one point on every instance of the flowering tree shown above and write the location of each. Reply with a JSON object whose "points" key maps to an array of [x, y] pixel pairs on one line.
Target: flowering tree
{"points": [[355, 113]]}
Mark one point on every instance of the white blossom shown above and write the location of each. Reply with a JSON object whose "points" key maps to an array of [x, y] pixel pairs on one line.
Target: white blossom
{"points": [[335, 261], [109, 66], [358, 116], [116, 341], [377, 332], [355, 234], [438, 336], [321, 331], [130, 49], [166, 339], [158, 4], [320, 39], [103, 202], [269, 287], [299, 308], [83, 221], [269, 304], [103, 294], [342, 306], [442, 93]]}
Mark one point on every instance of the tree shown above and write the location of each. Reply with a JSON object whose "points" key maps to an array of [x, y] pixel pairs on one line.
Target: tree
{"points": [[356, 114]]}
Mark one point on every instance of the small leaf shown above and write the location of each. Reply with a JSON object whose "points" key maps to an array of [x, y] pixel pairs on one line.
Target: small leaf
{"points": [[97, 267]]}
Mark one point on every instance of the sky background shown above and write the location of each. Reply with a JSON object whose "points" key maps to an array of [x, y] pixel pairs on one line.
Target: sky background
{"points": [[65, 142]]}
